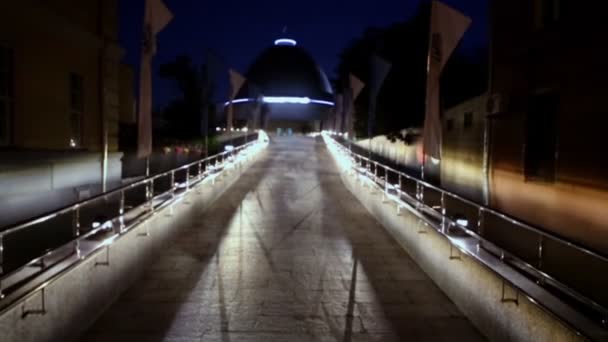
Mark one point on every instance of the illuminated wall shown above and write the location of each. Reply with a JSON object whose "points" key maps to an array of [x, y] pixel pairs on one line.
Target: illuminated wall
{"points": [[462, 169], [398, 151], [555, 52], [50, 40]]}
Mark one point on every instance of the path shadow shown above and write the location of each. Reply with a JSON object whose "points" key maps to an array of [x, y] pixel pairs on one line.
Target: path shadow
{"points": [[390, 298], [183, 287]]}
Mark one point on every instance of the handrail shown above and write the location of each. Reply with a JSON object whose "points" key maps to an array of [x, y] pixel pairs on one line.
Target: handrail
{"points": [[71, 207], [218, 161], [365, 163], [503, 216]]}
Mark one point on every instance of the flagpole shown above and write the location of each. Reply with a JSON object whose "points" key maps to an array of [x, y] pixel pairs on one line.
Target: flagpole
{"points": [[486, 123], [156, 17], [206, 100], [102, 106], [427, 100]]}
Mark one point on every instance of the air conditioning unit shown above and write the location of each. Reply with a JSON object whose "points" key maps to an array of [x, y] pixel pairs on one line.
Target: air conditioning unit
{"points": [[497, 103]]}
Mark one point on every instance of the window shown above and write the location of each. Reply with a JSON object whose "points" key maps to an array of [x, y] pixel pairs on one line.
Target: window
{"points": [[76, 109], [450, 125], [547, 13], [541, 139], [468, 120], [6, 93]]}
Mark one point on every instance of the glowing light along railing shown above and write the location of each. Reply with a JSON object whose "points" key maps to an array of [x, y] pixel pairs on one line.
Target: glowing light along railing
{"points": [[196, 173], [360, 167]]}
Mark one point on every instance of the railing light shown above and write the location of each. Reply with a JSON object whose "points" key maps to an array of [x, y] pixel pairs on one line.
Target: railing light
{"points": [[462, 222]]}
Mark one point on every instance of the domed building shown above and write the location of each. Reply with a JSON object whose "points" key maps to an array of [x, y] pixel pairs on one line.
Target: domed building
{"points": [[286, 91]]}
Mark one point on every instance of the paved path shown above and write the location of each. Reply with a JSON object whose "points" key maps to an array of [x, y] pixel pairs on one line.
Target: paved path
{"points": [[288, 254]]}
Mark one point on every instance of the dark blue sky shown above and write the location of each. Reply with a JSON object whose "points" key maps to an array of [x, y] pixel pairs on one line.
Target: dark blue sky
{"points": [[239, 30]]}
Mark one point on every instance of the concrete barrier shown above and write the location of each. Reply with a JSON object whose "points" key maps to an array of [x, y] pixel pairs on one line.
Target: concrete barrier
{"points": [[479, 293], [70, 304]]}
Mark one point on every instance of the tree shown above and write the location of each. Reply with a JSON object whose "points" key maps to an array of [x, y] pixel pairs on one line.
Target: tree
{"points": [[184, 115]]}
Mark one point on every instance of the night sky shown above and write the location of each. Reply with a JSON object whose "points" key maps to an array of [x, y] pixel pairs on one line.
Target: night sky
{"points": [[239, 30]]}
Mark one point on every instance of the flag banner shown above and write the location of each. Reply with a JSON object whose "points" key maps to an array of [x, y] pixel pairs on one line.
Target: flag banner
{"points": [[356, 86], [156, 17], [350, 96], [236, 82], [447, 28], [379, 70]]}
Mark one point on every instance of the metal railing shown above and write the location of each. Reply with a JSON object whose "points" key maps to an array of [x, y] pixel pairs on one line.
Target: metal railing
{"points": [[159, 190], [405, 189]]}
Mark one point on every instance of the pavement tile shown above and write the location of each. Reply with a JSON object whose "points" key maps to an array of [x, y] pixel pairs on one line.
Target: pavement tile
{"points": [[286, 255]]}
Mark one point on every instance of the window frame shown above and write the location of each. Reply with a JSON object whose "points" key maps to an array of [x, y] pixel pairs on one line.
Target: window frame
{"points": [[536, 174], [449, 123], [467, 120]]}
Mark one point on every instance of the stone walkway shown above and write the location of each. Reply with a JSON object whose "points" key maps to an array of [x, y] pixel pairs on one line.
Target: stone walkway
{"points": [[288, 254]]}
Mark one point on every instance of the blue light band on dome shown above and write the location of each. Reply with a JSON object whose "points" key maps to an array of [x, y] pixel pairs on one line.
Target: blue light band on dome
{"points": [[285, 41], [238, 101], [321, 102], [286, 99], [283, 100]]}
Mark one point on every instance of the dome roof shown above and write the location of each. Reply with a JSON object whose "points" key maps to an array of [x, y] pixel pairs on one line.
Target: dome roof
{"points": [[286, 70]]}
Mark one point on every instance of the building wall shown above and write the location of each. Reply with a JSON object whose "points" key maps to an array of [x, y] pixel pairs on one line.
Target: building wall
{"points": [[462, 160], [398, 152], [50, 40], [565, 58]]}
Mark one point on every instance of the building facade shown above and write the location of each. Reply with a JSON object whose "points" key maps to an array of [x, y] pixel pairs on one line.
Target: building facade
{"points": [[547, 129], [548, 117], [63, 92], [59, 74]]}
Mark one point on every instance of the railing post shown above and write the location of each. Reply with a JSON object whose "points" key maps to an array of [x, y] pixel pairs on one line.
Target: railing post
{"points": [[385, 195], [419, 195], [172, 180], [1, 264], [76, 229], [200, 170], [400, 186], [480, 219], [150, 195], [187, 178], [121, 211], [443, 214], [375, 172], [541, 245]]}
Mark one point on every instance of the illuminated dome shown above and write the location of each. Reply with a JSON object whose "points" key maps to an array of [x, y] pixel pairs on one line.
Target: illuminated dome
{"points": [[287, 70], [288, 81]]}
